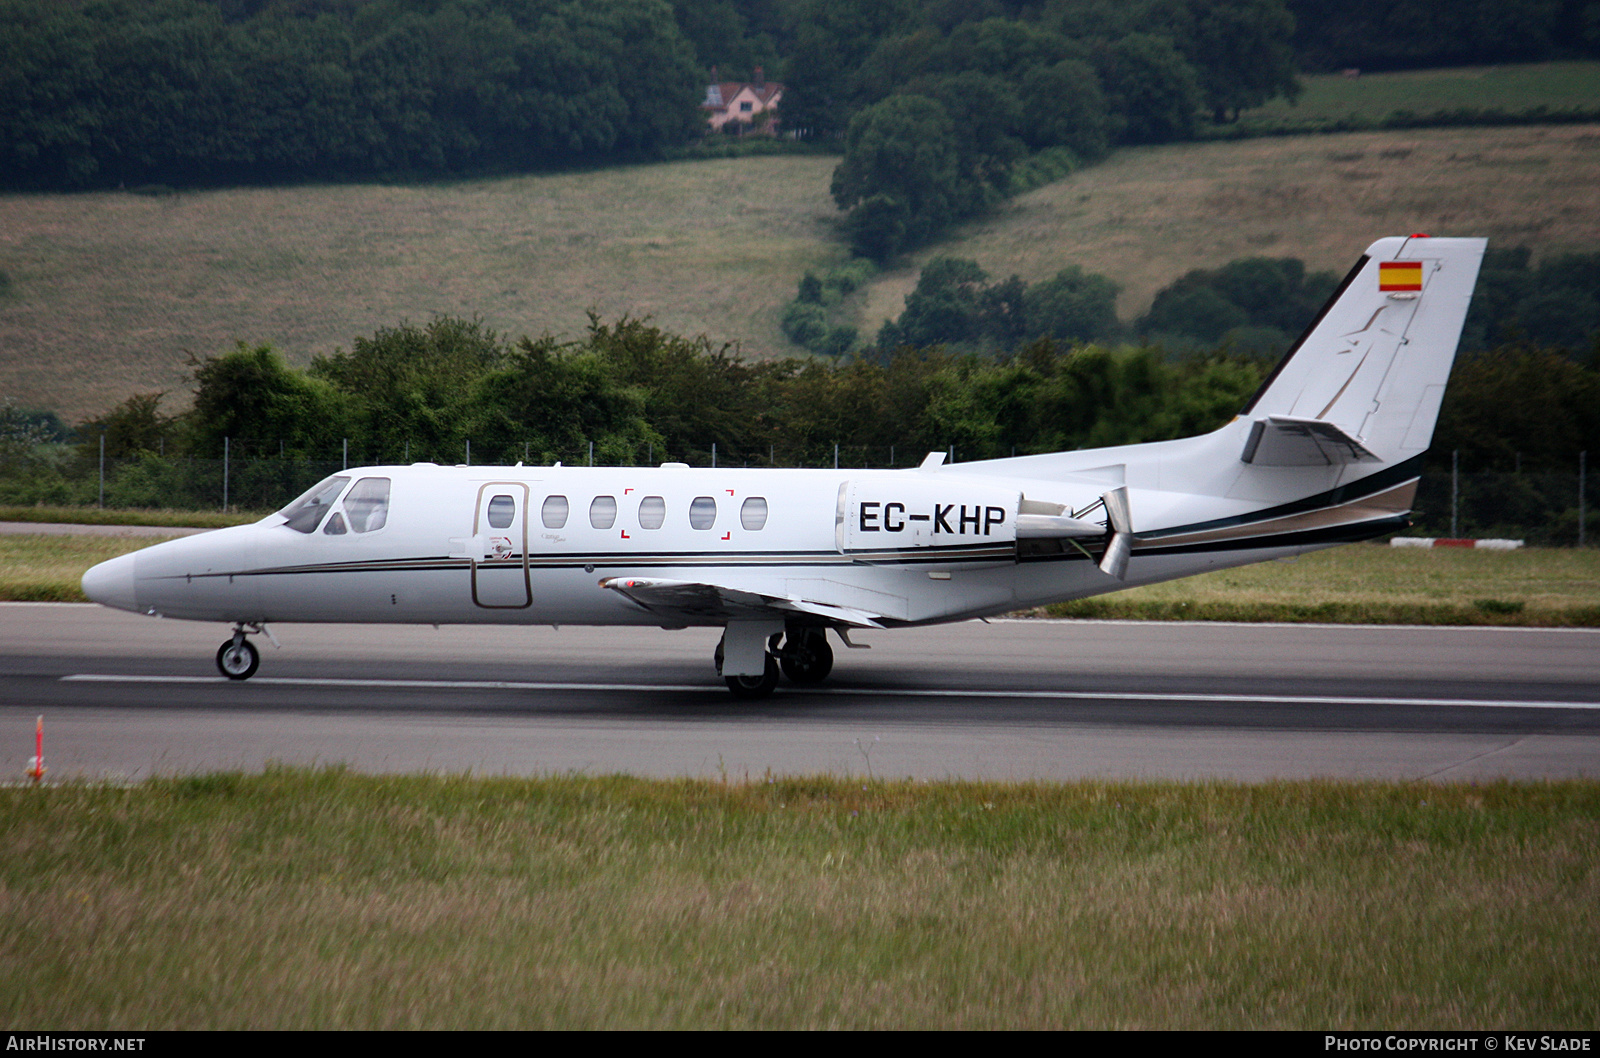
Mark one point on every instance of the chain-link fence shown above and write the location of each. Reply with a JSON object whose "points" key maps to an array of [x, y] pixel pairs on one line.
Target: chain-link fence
{"points": [[1543, 507]]}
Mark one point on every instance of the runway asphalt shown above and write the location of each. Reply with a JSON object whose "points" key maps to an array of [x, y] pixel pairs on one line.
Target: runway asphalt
{"points": [[125, 696]]}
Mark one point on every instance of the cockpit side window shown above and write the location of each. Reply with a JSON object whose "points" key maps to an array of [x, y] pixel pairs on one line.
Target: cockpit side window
{"points": [[306, 512], [367, 505], [335, 526]]}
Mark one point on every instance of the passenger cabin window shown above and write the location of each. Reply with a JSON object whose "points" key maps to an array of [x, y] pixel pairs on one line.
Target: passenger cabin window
{"points": [[554, 512], [367, 505], [652, 512], [702, 513], [502, 512], [603, 512], [753, 515], [305, 513]]}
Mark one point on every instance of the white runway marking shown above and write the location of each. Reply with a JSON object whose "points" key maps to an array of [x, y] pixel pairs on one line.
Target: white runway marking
{"points": [[868, 692]]}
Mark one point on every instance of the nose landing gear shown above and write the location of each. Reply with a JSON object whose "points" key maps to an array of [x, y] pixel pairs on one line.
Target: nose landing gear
{"points": [[237, 658]]}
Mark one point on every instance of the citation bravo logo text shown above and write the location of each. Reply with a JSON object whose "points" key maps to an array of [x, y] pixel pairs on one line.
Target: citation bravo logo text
{"points": [[1506, 1042]]}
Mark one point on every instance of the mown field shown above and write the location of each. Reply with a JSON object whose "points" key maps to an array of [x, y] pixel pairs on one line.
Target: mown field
{"points": [[1555, 86], [323, 899], [111, 292], [1145, 216], [1362, 583]]}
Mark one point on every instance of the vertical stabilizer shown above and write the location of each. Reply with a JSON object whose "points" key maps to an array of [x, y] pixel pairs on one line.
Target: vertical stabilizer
{"points": [[1363, 384]]}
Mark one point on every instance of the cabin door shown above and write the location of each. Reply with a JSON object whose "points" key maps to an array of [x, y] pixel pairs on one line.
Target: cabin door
{"points": [[500, 578]]}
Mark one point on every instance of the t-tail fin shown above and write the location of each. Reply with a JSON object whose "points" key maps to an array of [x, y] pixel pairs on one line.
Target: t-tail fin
{"points": [[1363, 384]]}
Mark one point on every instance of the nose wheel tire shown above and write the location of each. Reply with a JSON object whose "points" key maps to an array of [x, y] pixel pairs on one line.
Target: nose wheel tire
{"points": [[754, 686], [238, 660]]}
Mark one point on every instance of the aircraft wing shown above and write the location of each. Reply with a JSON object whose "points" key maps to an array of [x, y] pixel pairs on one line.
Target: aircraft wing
{"points": [[699, 601]]}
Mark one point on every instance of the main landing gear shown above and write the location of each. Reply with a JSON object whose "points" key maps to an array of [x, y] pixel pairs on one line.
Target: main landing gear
{"points": [[803, 655], [237, 658]]}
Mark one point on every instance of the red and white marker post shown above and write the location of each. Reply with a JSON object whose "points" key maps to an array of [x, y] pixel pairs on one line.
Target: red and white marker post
{"points": [[36, 768]]}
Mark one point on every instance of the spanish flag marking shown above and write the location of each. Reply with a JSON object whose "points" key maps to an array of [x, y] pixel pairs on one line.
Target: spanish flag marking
{"points": [[1399, 275]]}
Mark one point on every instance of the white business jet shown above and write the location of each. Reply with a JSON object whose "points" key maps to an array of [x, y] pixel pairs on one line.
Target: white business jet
{"points": [[1327, 452]]}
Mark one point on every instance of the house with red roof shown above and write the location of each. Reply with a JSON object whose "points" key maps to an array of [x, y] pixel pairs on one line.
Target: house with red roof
{"points": [[753, 104]]}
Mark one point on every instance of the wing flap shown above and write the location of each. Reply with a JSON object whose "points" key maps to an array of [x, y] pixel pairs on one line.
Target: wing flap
{"points": [[701, 601]]}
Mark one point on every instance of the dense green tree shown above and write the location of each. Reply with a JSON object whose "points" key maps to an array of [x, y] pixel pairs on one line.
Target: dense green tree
{"points": [[945, 308], [1257, 304], [409, 387], [555, 401], [136, 425], [902, 162], [833, 40], [251, 395], [1399, 34], [1241, 51], [955, 305], [1556, 304], [1150, 87], [1521, 405], [1072, 306], [1064, 106]]}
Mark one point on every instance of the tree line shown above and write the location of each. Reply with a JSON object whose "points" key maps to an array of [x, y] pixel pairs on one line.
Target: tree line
{"points": [[636, 392], [260, 430], [1253, 306], [205, 91]]}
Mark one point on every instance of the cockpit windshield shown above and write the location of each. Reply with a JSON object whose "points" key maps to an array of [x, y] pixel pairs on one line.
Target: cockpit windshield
{"points": [[304, 513]]}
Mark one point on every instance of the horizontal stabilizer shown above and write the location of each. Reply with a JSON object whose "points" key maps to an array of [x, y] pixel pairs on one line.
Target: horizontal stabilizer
{"points": [[699, 601], [1285, 441]]}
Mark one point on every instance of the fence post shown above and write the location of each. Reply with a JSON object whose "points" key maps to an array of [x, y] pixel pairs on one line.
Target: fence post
{"points": [[344, 455], [1583, 474], [1455, 493], [227, 452], [713, 455], [102, 468], [469, 451], [836, 455], [591, 453]]}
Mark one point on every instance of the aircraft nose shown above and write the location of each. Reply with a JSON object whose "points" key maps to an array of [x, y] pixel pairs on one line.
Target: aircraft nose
{"points": [[112, 583]]}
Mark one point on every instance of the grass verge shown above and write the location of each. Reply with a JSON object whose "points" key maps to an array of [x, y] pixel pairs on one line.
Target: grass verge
{"points": [[35, 567], [124, 516], [301, 899], [1375, 584]]}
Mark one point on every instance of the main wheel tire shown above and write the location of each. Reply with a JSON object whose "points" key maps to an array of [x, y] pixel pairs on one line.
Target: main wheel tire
{"points": [[807, 657], [238, 662], [755, 686]]}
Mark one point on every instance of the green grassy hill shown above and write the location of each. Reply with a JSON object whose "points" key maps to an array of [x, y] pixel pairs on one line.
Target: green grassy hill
{"points": [[1147, 215], [110, 291]]}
